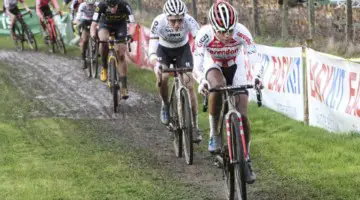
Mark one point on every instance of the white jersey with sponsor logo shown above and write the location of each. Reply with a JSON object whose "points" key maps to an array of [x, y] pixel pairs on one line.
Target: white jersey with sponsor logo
{"points": [[210, 52], [11, 4], [170, 38], [85, 11]]}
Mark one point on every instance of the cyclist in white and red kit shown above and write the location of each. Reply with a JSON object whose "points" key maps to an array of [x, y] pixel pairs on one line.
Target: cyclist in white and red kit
{"points": [[218, 62]]}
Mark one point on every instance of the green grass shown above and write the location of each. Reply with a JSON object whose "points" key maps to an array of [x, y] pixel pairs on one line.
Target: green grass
{"points": [[293, 161], [47, 158]]}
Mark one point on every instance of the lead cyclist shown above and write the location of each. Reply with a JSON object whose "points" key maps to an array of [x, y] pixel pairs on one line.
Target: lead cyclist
{"points": [[218, 63], [169, 40]]}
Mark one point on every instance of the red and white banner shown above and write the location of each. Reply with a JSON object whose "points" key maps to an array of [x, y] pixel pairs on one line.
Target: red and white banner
{"points": [[282, 79], [334, 92]]}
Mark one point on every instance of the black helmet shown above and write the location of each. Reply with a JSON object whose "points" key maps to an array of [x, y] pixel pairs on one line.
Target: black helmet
{"points": [[111, 3]]}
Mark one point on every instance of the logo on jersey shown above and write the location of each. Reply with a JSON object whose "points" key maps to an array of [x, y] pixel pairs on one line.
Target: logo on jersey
{"points": [[154, 27], [175, 34], [202, 40], [245, 38]]}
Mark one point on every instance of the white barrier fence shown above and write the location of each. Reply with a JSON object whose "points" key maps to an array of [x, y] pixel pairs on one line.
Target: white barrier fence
{"points": [[333, 92]]}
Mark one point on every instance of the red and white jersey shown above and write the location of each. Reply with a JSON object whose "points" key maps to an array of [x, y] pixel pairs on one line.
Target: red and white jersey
{"points": [[208, 46]]}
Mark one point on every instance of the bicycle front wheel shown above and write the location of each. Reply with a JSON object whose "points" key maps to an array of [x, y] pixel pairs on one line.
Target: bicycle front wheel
{"points": [[19, 42], [186, 127], [93, 54], [30, 39], [238, 155], [59, 41], [114, 86], [174, 124]]}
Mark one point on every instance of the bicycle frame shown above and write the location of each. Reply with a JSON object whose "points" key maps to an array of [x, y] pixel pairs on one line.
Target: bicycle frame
{"points": [[50, 25]]}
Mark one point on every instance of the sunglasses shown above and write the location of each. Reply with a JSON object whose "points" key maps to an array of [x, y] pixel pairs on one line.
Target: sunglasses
{"points": [[229, 32], [173, 21]]}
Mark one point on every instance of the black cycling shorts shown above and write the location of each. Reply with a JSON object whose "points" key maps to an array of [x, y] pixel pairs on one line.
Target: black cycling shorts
{"points": [[119, 30], [15, 11], [229, 73], [46, 11], [182, 55]]}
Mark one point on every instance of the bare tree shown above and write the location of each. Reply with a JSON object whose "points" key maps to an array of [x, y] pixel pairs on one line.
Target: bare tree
{"points": [[285, 20], [256, 17], [349, 21], [311, 19], [194, 11]]}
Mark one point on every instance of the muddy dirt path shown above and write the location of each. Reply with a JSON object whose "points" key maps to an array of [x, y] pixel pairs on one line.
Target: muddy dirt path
{"points": [[64, 90]]}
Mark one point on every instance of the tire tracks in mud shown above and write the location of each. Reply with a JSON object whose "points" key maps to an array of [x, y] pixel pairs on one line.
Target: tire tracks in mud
{"points": [[64, 89]]}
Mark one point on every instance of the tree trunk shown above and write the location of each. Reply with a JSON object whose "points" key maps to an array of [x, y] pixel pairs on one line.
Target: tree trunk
{"points": [[311, 19], [194, 11], [349, 21], [285, 20], [256, 18], [139, 7]]}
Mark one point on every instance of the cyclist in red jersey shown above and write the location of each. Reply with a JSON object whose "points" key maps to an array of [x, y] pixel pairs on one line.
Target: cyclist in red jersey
{"points": [[43, 10]]}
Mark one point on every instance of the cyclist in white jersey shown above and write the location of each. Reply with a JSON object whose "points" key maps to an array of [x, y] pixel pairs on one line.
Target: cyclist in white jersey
{"points": [[218, 62], [168, 41], [83, 20], [11, 9]]}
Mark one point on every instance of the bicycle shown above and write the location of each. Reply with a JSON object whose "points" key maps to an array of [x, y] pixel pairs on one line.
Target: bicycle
{"points": [[180, 113], [113, 73], [55, 40], [92, 57], [233, 155], [23, 34]]}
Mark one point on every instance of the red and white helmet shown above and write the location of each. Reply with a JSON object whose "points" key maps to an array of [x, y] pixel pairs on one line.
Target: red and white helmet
{"points": [[222, 16]]}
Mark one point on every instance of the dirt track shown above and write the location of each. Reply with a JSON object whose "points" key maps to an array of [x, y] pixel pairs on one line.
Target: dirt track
{"points": [[65, 91]]}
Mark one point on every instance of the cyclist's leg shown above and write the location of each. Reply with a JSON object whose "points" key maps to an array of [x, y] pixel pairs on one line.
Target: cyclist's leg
{"points": [[163, 89], [13, 12], [122, 65], [216, 79], [47, 13], [104, 50], [84, 38]]}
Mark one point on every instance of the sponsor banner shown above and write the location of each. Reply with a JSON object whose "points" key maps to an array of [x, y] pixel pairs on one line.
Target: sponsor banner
{"points": [[282, 79], [334, 92]]}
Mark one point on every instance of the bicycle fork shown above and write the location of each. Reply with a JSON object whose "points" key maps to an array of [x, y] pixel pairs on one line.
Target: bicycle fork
{"points": [[228, 134]]}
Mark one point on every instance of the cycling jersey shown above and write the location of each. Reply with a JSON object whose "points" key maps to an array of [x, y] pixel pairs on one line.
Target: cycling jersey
{"points": [[85, 11], [103, 14], [170, 38], [43, 3], [11, 4], [210, 52]]}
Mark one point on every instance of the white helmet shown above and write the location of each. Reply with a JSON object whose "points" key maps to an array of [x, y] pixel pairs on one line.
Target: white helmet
{"points": [[90, 1], [222, 16], [174, 7]]}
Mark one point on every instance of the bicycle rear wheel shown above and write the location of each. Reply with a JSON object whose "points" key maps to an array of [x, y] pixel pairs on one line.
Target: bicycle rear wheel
{"points": [[30, 38], [92, 47], [238, 154], [114, 86], [19, 42], [88, 58], [186, 127], [174, 124]]}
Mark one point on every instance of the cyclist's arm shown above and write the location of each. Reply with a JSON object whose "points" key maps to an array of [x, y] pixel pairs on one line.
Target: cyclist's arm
{"points": [[80, 13], [55, 5], [72, 9], [193, 25], [200, 49], [250, 48], [38, 10], [154, 41], [25, 6], [96, 17], [129, 12]]}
